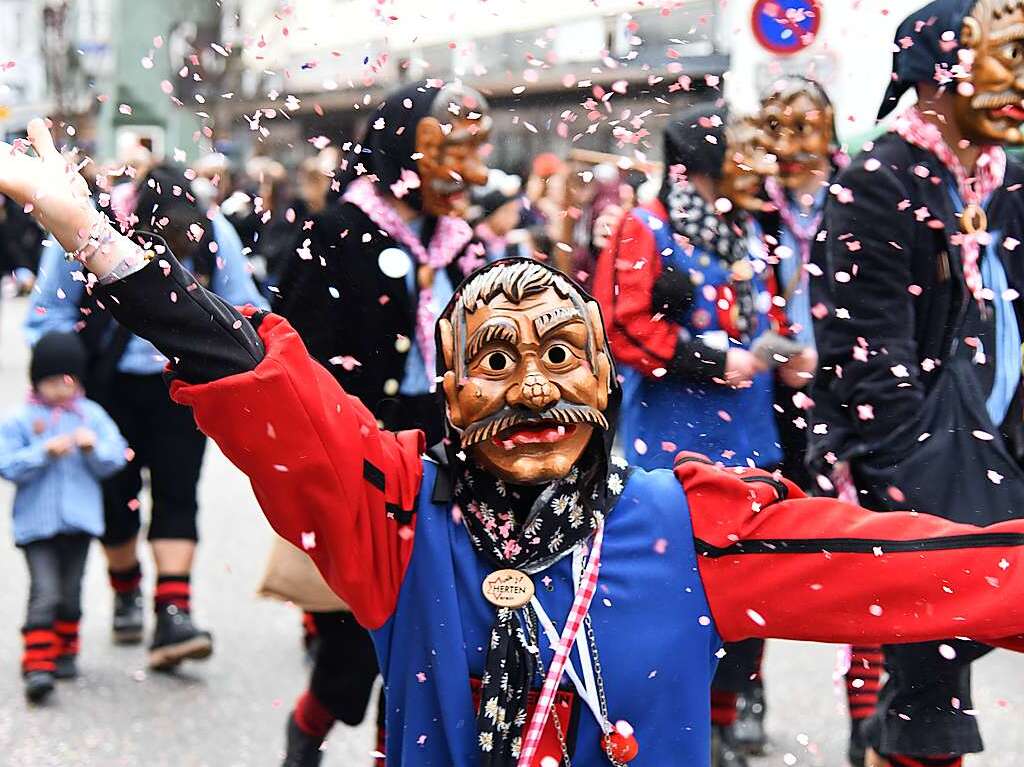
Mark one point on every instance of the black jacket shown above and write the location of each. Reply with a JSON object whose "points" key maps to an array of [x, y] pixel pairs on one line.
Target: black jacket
{"points": [[893, 284], [20, 238], [344, 306]]}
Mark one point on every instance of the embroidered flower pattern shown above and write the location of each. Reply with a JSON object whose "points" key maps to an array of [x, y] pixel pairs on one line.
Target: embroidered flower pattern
{"points": [[564, 514]]}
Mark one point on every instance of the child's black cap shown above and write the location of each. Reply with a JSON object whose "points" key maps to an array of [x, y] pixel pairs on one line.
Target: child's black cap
{"points": [[57, 354]]}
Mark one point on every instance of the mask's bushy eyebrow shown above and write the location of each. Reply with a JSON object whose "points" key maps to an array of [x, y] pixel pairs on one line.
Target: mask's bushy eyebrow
{"points": [[495, 328], [551, 320], [1008, 35]]}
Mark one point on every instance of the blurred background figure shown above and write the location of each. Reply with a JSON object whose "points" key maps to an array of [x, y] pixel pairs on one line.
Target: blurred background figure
{"points": [[212, 183], [545, 202], [56, 448], [20, 239], [496, 215], [162, 435]]}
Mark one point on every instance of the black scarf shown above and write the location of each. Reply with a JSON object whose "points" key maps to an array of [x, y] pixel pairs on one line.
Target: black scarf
{"points": [[562, 514], [566, 512], [724, 237], [695, 145]]}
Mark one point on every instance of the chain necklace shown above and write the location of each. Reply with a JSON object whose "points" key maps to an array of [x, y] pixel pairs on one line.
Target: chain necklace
{"points": [[532, 633], [599, 678]]}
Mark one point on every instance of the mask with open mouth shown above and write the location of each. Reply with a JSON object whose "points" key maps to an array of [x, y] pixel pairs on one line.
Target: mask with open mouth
{"points": [[973, 49], [989, 106], [530, 395], [448, 149], [527, 375], [799, 129]]}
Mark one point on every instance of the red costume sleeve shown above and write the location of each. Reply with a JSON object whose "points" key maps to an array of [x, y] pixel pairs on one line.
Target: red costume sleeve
{"points": [[632, 265], [327, 478], [777, 564], [628, 272]]}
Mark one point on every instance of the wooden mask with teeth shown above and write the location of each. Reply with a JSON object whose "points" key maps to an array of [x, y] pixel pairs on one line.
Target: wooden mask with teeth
{"points": [[526, 370], [989, 104]]}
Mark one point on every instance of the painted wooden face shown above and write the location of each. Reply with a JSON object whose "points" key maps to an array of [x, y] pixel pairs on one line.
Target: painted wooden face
{"points": [[746, 165], [448, 151], [798, 131], [989, 105], [531, 385]]}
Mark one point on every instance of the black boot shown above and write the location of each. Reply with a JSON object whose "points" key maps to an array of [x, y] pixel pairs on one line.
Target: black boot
{"points": [[857, 751], [67, 667], [127, 626], [176, 639], [748, 733], [724, 752], [38, 685], [303, 750]]}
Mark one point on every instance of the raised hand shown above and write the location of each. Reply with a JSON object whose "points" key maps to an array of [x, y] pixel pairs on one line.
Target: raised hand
{"points": [[49, 186]]}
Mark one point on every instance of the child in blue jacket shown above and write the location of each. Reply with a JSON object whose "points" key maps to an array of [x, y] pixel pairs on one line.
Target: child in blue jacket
{"points": [[56, 448]]}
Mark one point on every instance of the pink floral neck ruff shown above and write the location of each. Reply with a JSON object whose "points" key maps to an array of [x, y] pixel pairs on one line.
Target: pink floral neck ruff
{"points": [[449, 238], [803, 228], [989, 173]]}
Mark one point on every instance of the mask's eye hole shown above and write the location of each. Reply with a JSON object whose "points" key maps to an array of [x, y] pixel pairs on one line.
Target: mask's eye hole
{"points": [[496, 362], [557, 355]]}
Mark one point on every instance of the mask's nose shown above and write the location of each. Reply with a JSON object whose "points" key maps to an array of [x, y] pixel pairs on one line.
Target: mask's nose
{"points": [[535, 391]]}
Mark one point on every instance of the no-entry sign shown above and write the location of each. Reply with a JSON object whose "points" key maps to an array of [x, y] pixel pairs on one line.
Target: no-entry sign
{"points": [[786, 26]]}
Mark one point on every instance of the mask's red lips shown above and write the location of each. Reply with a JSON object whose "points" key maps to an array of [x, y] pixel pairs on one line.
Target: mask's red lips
{"points": [[1014, 111], [533, 434]]}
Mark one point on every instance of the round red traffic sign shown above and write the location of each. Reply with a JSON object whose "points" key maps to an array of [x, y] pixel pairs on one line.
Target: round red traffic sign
{"points": [[786, 26]]}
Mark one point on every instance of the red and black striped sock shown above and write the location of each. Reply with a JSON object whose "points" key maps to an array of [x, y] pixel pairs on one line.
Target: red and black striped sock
{"points": [[40, 650], [311, 716], [172, 590], [125, 581], [897, 760], [723, 708], [863, 681], [67, 637]]}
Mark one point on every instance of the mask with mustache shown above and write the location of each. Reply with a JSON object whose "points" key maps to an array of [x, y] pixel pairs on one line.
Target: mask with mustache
{"points": [[448, 147], [798, 122], [990, 109], [526, 372], [529, 391]]}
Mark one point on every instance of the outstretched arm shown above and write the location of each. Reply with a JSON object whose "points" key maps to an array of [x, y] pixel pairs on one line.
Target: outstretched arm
{"points": [[327, 478], [777, 564]]}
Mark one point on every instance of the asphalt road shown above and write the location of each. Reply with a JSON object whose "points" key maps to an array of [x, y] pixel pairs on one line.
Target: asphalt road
{"points": [[230, 711]]}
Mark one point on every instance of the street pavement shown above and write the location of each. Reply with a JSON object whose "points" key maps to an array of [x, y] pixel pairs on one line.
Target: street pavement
{"points": [[230, 710]]}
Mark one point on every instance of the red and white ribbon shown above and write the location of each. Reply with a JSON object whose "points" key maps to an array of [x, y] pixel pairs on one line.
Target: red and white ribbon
{"points": [[580, 607]]}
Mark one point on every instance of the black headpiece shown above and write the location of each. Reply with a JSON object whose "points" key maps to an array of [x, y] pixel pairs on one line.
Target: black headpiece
{"points": [[926, 48]]}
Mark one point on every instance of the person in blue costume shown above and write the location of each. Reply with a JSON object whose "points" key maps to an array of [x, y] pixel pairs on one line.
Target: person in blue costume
{"points": [[687, 291], [519, 555]]}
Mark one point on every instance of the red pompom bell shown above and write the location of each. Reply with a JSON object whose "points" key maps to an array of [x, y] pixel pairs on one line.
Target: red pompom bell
{"points": [[621, 743]]}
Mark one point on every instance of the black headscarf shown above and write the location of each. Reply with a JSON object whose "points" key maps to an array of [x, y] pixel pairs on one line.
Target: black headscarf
{"points": [[695, 138], [387, 150], [927, 51], [563, 513]]}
